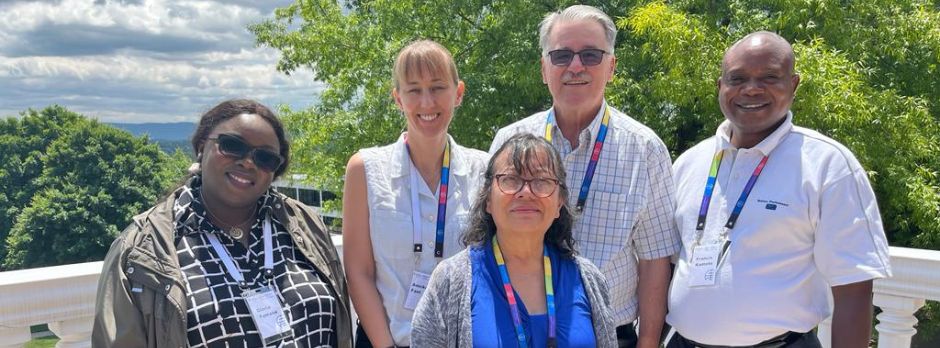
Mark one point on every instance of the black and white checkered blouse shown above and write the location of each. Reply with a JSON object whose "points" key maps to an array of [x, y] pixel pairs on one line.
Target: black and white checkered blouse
{"points": [[217, 315]]}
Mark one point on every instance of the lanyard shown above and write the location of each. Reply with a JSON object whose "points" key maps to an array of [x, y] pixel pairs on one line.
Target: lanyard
{"points": [[514, 307], [595, 155], [441, 204], [710, 187], [230, 265]]}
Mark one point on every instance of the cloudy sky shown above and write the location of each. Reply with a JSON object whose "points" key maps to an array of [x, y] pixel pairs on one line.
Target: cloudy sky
{"points": [[140, 60]]}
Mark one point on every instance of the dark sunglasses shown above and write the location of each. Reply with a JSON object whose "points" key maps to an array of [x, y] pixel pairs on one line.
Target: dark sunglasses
{"points": [[589, 56], [234, 147]]}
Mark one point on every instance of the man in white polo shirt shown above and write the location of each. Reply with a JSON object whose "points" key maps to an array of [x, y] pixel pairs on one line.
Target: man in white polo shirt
{"points": [[772, 217]]}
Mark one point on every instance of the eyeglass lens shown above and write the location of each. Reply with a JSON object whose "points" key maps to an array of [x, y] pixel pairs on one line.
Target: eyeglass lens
{"points": [[234, 147], [589, 57], [511, 184]]}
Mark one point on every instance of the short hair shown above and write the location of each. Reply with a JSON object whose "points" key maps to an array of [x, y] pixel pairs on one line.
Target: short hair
{"points": [[421, 57], [576, 13], [232, 108], [524, 150], [774, 39]]}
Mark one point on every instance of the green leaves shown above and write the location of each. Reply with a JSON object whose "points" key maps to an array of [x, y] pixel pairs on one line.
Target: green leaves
{"points": [[70, 184], [870, 78]]}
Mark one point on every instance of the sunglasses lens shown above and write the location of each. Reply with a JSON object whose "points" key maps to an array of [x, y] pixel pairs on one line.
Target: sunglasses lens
{"points": [[267, 160], [591, 57], [236, 148], [561, 57], [232, 146]]}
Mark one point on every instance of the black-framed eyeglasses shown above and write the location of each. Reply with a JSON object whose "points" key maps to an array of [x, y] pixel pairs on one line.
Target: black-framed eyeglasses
{"points": [[234, 147], [589, 56], [511, 184]]}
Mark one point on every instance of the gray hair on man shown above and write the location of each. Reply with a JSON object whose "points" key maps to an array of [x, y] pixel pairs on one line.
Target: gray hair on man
{"points": [[576, 13]]}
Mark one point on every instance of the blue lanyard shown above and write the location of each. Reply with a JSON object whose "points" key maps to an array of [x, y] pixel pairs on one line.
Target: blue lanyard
{"points": [[710, 187], [595, 155], [514, 305], [441, 204]]}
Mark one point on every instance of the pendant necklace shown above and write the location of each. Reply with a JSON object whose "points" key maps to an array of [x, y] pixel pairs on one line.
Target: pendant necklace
{"points": [[235, 231]]}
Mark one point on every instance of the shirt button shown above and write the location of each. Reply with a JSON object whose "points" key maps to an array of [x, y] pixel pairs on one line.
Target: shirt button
{"points": [[429, 217], [130, 270], [277, 206], [167, 288]]}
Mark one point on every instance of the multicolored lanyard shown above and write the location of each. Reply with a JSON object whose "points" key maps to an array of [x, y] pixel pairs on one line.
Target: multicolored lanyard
{"points": [[441, 204], [595, 155], [514, 306], [710, 187], [230, 265]]}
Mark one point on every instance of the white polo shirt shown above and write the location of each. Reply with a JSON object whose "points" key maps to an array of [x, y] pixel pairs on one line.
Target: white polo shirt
{"points": [[810, 222]]}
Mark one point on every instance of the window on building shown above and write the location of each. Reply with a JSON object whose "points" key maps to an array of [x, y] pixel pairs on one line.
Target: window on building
{"points": [[310, 197]]}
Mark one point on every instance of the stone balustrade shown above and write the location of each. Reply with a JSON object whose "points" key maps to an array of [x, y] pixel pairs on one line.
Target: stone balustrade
{"points": [[63, 297]]}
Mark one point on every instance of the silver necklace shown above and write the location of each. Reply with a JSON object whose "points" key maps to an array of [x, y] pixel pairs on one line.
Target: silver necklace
{"points": [[234, 230]]}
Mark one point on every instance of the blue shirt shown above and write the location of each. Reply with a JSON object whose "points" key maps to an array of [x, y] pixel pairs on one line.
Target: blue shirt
{"points": [[490, 314]]}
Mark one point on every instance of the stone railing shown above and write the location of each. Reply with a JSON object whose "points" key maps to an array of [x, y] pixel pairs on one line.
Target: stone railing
{"points": [[61, 296], [64, 297], [915, 279]]}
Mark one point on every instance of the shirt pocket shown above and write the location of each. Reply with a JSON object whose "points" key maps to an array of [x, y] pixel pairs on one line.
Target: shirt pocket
{"points": [[603, 223], [391, 234]]}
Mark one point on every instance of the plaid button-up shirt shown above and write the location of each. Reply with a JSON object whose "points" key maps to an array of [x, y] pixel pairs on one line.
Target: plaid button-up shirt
{"points": [[630, 206]]}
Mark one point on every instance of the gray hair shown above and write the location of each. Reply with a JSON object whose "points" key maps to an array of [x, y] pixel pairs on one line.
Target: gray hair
{"points": [[576, 13]]}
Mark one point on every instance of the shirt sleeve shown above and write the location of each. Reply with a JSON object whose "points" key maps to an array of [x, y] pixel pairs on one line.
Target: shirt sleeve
{"points": [[655, 235], [498, 140], [850, 241], [118, 322]]}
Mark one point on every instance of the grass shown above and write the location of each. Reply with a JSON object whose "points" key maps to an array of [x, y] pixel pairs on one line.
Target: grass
{"points": [[45, 342]]}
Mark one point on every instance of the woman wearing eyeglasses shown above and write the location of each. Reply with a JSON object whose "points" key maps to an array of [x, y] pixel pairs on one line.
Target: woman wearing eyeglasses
{"points": [[405, 204], [224, 260], [519, 283]]}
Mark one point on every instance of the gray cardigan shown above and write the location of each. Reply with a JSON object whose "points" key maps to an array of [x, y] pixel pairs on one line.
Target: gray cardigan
{"points": [[442, 318]]}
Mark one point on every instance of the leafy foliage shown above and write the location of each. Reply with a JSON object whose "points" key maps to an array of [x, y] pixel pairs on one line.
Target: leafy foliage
{"points": [[870, 78], [71, 184]]}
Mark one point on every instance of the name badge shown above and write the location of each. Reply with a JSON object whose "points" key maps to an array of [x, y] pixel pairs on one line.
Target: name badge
{"points": [[268, 314], [703, 267], [419, 282]]}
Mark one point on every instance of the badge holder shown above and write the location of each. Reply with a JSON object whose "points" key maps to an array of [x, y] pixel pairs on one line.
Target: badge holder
{"points": [[263, 303], [419, 283], [705, 262]]}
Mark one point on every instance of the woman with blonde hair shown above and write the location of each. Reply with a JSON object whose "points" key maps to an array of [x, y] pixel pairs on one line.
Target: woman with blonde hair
{"points": [[405, 204]]}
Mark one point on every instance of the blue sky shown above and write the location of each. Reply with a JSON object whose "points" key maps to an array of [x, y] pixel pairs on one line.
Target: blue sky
{"points": [[140, 60]]}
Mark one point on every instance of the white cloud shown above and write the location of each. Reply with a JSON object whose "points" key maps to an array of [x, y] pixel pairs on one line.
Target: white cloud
{"points": [[149, 61]]}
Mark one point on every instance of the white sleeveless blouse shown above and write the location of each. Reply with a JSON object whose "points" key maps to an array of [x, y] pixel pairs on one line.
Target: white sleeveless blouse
{"points": [[388, 185]]}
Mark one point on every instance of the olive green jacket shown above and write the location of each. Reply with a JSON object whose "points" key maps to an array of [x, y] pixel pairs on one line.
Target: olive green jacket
{"points": [[143, 258]]}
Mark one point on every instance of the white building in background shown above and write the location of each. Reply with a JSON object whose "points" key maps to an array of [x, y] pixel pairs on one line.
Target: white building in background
{"points": [[295, 186]]}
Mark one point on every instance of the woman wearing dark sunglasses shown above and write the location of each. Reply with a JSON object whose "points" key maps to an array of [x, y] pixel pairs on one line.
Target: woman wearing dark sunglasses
{"points": [[225, 260], [405, 204], [519, 283]]}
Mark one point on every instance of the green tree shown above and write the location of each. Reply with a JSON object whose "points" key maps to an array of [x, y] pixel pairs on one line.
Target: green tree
{"points": [[86, 181], [870, 72], [22, 146]]}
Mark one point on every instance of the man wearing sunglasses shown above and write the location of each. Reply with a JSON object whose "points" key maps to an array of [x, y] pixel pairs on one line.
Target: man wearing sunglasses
{"points": [[621, 169]]}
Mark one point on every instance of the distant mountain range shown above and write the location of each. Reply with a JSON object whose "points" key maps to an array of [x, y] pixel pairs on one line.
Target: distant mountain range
{"points": [[160, 131], [169, 136]]}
